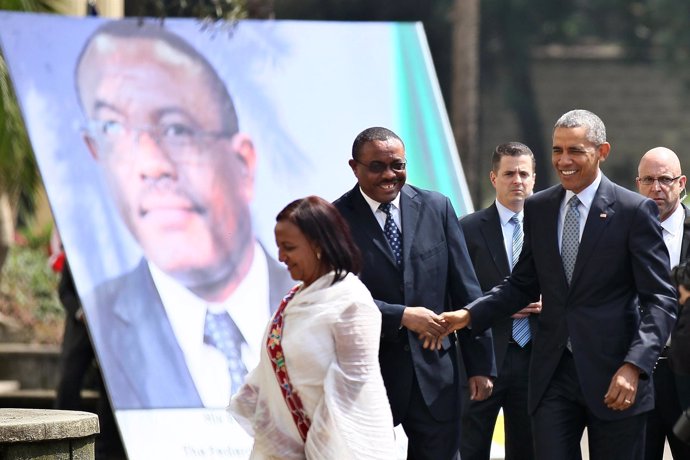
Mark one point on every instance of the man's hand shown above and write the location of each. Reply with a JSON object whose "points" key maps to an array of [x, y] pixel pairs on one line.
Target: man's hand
{"points": [[533, 308], [623, 388], [424, 322], [452, 321], [480, 387], [457, 319]]}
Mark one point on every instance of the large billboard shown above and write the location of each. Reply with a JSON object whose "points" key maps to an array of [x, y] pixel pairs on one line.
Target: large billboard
{"points": [[167, 149]]}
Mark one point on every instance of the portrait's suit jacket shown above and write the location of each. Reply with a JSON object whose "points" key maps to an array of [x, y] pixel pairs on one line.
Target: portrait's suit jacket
{"points": [[437, 274], [484, 237], [621, 263], [143, 365]]}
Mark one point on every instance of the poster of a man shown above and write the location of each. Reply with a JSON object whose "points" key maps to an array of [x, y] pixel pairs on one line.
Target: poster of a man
{"points": [[167, 150], [181, 175]]}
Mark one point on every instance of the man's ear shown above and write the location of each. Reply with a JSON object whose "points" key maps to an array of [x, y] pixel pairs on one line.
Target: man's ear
{"points": [[91, 145], [353, 165], [243, 147], [604, 150]]}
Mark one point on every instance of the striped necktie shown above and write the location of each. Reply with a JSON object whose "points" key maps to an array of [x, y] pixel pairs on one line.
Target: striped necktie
{"points": [[521, 332]]}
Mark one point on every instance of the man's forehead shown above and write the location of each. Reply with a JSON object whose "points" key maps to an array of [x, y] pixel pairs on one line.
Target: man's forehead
{"points": [[107, 46]]}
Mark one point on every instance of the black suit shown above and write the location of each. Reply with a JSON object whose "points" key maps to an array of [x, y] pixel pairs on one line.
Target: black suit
{"points": [[619, 307], [142, 362], [486, 247], [437, 274], [667, 408]]}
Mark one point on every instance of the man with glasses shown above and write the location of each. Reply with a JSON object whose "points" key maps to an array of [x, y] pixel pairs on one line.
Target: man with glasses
{"points": [[416, 266], [184, 326], [660, 178]]}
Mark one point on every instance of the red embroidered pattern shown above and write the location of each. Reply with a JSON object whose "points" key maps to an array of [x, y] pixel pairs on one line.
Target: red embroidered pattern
{"points": [[275, 352]]}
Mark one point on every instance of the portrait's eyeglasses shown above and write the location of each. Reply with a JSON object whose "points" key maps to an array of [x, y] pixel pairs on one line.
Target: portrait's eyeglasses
{"points": [[377, 167], [664, 181], [175, 138]]}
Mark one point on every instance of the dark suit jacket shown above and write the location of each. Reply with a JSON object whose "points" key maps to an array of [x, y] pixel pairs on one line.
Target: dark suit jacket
{"points": [[679, 356], [438, 275], [487, 250], [141, 361], [621, 258]]}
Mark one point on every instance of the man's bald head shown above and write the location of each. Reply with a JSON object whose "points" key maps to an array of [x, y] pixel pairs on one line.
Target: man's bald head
{"points": [[659, 177]]}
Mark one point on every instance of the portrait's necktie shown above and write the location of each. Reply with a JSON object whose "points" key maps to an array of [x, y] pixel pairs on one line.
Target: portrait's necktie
{"points": [[392, 233], [571, 237], [521, 332], [221, 332]]}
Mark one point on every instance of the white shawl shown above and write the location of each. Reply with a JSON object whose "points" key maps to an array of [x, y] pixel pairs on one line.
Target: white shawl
{"points": [[331, 343]]}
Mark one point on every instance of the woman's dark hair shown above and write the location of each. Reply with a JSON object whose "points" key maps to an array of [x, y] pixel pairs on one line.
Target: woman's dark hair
{"points": [[680, 274], [323, 225]]}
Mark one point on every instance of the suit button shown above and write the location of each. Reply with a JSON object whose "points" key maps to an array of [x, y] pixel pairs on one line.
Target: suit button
{"points": [[406, 348]]}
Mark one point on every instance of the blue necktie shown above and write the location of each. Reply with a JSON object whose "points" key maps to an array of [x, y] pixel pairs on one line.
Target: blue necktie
{"points": [[392, 233], [521, 332], [221, 332]]}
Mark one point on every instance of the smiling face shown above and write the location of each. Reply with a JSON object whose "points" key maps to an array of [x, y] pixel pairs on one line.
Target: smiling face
{"points": [[661, 163], [383, 186], [513, 181], [181, 180], [575, 158], [298, 253]]}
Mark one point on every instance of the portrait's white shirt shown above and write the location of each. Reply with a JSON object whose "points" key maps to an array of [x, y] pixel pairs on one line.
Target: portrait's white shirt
{"points": [[248, 307], [380, 215], [507, 227], [586, 196]]}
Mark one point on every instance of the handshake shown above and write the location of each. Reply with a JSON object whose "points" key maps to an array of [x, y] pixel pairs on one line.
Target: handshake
{"points": [[432, 328]]}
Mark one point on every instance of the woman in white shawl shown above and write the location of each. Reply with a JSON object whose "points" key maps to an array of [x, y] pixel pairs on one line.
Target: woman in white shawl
{"points": [[322, 346]]}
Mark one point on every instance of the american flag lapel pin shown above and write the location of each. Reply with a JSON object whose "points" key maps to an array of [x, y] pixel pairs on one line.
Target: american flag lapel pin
{"points": [[602, 215]]}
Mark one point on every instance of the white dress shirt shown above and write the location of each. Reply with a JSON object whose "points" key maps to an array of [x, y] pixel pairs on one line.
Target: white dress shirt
{"points": [[248, 307], [380, 215], [672, 229]]}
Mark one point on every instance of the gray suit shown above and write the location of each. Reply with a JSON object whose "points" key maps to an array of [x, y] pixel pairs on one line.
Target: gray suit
{"points": [[142, 363]]}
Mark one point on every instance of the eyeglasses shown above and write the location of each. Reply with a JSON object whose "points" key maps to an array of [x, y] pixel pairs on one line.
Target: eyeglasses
{"points": [[177, 139], [664, 181], [377, 167]]}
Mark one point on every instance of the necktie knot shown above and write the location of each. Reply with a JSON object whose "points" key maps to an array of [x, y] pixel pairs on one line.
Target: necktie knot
{"points": [[574, 202], [385, 208], [515, 220]]}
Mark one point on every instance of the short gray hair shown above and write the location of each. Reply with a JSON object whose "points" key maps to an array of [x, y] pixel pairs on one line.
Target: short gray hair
{"points": [[596, 131]]}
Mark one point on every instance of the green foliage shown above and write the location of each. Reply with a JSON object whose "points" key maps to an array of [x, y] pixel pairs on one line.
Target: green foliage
{"points": [[28, 295], [211, 10]]}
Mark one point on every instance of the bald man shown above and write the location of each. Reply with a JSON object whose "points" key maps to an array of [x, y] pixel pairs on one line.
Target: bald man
{"points": [[660, 178]]}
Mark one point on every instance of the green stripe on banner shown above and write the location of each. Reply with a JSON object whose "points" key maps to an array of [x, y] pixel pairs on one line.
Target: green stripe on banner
{"points": [[421, 125]]}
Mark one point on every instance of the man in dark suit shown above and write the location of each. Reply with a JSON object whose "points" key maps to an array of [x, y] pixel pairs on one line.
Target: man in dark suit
{"points": [[416, 266], [594, 251], [183, 327], [660, 178], [494, 240]]}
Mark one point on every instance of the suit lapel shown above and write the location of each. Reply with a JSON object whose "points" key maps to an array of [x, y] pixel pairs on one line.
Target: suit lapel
{"points": [[686, 235], [493, 237], [409, 218], [600, 214], [370, 226]]}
